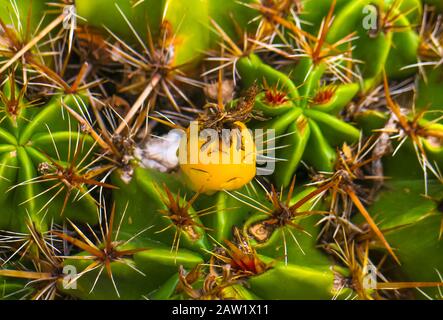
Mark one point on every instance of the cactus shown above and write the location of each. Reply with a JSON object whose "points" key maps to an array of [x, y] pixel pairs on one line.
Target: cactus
{"points": [[212, 149]]}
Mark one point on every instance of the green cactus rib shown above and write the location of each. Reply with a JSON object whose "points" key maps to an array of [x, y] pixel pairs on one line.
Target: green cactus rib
{"points": [[154, 267], [411, 167], [298, 117], [144, 211], [413, 227], [33, 136]]}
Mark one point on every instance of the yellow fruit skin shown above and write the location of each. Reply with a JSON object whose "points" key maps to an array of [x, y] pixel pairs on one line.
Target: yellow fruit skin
{"points": [[225, 170]]}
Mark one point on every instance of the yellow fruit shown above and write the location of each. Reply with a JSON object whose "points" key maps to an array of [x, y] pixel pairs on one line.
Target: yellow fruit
{"points": [[211, 165]]}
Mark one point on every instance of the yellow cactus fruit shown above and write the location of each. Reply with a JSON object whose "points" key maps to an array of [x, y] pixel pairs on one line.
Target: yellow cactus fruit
{"points": [[212, 163]]}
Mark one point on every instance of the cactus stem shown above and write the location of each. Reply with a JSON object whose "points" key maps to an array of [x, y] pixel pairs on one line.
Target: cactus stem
{"points": [[110, 252]]}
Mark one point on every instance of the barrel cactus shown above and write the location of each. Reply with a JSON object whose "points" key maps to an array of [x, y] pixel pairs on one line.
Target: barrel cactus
{"points": [[212, 149]]}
